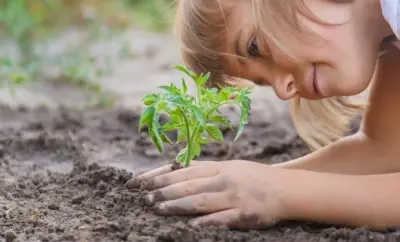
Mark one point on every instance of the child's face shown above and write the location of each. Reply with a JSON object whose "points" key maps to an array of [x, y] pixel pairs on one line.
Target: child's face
{"points": [[339, 62]]}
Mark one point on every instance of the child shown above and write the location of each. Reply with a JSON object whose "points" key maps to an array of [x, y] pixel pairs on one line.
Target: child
{"points": [[316, 53]]}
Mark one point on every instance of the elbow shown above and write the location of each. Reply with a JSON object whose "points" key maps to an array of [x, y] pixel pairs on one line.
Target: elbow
{"points": [[384, 152]]}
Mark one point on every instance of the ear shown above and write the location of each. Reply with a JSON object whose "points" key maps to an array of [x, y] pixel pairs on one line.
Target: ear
{"points": [[331, 12]]}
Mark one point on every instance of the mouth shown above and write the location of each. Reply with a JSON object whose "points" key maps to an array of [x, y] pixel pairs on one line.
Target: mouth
{"points": [[315, 82]]}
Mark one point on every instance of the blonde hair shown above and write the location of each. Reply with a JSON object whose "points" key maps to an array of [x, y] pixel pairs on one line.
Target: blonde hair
{"points": [[201, 27]]}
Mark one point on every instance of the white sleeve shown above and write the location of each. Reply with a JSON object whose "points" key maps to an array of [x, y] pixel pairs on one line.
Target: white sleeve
{"points": [[391, 13]]}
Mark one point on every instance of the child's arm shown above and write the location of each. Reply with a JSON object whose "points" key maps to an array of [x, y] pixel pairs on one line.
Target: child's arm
{"points": [[376, 148], [356, 154], [350, 200]]}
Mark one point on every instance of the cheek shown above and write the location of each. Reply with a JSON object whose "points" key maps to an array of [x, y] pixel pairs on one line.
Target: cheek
{"points": [[357, 74], [347, 61], [348, 74], [355, 61]]}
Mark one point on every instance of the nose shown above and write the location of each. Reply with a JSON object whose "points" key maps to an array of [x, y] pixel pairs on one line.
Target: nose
{"points": [[285, 87]]}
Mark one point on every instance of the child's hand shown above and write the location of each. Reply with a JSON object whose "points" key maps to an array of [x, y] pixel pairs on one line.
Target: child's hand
{"points": [[237, 194]]}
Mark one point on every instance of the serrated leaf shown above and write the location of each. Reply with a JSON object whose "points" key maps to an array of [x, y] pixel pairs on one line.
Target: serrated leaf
{"points": [[225, 94], [203, 140], [185, 70], [199, 116], [214, 132], [178, 101], [184, 86], [196, 149], [147, 117], [155, 136], [169, 126], [221, 120], [149, 99], [181, 134], [203, 80], [170, 89], [214, 90], [161, 105], [165, 139], [244, 117], [156, 133], [182, 156], [175, 118], [168, 109]]}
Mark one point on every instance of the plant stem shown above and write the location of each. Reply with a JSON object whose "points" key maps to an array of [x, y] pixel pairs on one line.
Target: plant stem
{"points": [[189, 143], [218, 106]]}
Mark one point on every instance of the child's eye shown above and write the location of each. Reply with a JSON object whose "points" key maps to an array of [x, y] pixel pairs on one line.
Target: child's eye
{"points": [[253, 49]]}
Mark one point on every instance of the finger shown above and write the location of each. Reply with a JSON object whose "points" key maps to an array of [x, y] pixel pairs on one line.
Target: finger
{"points": [[135, 183], [225, 218], [186, 174], [182, 189], [232, 218], [195, 204]]}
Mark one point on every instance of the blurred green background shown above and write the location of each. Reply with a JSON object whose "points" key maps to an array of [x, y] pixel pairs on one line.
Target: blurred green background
{"points": [[26, 26]]}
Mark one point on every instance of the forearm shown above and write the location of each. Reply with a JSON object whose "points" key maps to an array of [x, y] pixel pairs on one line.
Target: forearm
{"points": [[347, 200], [354, 154]]}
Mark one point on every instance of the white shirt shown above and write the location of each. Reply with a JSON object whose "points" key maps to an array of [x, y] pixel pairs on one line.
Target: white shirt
{"points": [[391, 13]]}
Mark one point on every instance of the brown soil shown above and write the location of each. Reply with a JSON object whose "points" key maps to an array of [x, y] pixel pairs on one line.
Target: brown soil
{"points": [[62, 177]]}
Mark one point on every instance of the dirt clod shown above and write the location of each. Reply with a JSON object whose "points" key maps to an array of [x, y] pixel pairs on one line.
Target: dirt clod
{"points": [[10, 235]]}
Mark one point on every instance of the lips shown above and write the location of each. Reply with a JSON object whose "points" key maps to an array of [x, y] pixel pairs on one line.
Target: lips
{"points": [[314, 79]]}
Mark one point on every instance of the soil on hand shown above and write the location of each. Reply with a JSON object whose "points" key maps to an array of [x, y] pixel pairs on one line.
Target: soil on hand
{"points": [[62, 177]]}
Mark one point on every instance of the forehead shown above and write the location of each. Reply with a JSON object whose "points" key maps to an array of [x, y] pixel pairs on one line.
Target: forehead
{"points": [[240, 21], [239, 28]]}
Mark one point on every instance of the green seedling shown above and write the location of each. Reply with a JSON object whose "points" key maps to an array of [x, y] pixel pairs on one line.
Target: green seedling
{"points": [[196, 119]]}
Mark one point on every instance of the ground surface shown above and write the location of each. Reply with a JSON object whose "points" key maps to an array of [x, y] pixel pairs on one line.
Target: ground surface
{"points": [[62, 176]]}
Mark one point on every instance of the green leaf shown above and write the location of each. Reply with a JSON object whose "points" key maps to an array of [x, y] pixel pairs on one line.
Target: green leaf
{"points": [[147, 117], [182, 155], [169, 126], [214, 132], [150, 97], [203, 140], [161, 105], [18, 79], [225, 94], [181, 134], [244, 115], [196, 149], [197, 113], [178, 101], [176, 118], [184, 86], [202, 81], [155, 136], [170, 89], [165, 139], [156, 133], [221, 120], [186, 71]]}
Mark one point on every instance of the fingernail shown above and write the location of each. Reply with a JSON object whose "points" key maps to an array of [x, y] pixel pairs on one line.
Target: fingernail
{"points": [[132, 184], [160, 208], [149, 199]]}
